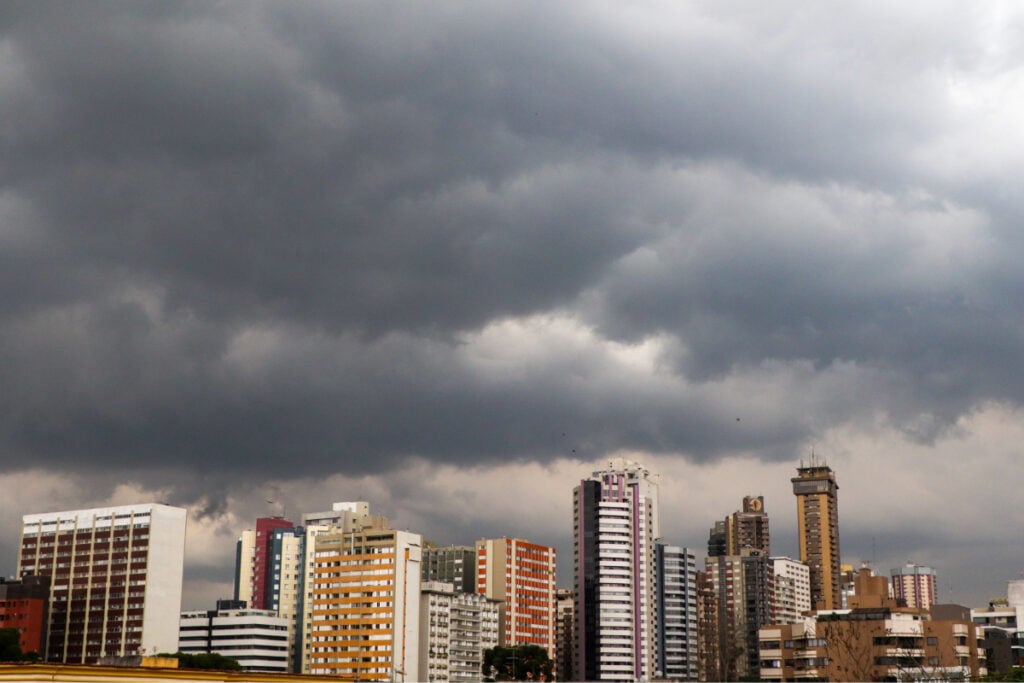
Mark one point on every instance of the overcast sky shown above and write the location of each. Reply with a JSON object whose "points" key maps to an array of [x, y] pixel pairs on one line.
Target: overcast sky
{"points": [[450, 257]]}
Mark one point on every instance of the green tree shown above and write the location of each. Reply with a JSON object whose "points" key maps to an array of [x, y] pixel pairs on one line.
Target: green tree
{"points": [[206, 660], [10, 645], [517, 663]]}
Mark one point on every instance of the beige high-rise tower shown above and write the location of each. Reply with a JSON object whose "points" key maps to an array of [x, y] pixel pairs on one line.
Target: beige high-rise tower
{"points": [[817, 516]]}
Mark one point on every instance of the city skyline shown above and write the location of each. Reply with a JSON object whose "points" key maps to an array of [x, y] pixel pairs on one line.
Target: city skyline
{"points": [[444, 258]]}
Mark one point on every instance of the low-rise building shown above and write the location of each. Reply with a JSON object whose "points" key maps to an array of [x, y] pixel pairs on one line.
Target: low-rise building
{"points": [[1002, 623], [874, 639], [257, 639], [24, 606]]}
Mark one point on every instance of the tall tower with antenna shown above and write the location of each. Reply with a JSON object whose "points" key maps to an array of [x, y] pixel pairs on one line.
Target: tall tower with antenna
{"points": [[817, 515]]}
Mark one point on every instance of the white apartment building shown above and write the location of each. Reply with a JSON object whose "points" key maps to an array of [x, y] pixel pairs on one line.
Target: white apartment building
{"points": [[616, 522], [256, 639], [116, 578], [455, 629], [792, 590]]}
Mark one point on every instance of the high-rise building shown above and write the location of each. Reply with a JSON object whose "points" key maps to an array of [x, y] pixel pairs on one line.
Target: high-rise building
{"points": [[742, 576], [255, 638], [676, 620], [707, 629], [748, 527], [254, 570], [745, 528], [365, 602], [718, 539], [454, 564], [116, 575], [792, 582], [343, 516], [817, 516], [270, 574], [744, 586], [564, 613], [915, 584], [615, 515], [456, 628], [522, 575]]}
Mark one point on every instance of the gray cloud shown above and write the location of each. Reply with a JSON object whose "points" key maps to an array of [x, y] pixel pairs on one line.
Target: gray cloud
{"points": [[242, 241]]}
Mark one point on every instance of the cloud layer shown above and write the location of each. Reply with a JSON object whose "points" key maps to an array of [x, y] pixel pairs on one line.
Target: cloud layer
{"points": [[247, 243]]}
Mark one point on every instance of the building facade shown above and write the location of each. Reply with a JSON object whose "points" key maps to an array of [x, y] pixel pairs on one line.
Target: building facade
{"points": [[915, 584], [344, 516], [522, 575], [255, 638], [615, 518], [455, 629], [792, 590], [817, 515], [564, 629], [748, 527], [707, 629], [365, 602], [24, 605], [744, 587], [741, 574], [676, 614], [454, 564], [116, 576], [1002, 622], [876, 639], [254, 566]]}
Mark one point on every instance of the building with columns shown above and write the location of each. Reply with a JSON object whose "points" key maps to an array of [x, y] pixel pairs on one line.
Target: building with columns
{"points": [[116, 576]]}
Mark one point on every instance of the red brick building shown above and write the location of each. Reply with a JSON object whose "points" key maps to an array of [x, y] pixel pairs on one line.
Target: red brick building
{"points": [[23, 605]]}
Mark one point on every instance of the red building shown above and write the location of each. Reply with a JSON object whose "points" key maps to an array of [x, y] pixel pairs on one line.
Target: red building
{"points": [[263, 560], [255, 569], [522, 574], [23, 605]]}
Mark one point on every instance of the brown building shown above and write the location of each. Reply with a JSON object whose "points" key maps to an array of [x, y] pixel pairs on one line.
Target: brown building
{"points": [[746, 528], [366, 602], [740, 572], [708, 668], [817, 516], [744, 589], [874, 640]]}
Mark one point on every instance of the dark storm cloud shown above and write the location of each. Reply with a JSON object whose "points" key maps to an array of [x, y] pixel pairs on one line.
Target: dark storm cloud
{"points": [[254, 238]]}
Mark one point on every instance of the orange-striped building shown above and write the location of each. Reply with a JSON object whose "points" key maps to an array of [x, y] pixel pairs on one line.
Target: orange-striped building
{"points": [[522, 574], [366, 597]]}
